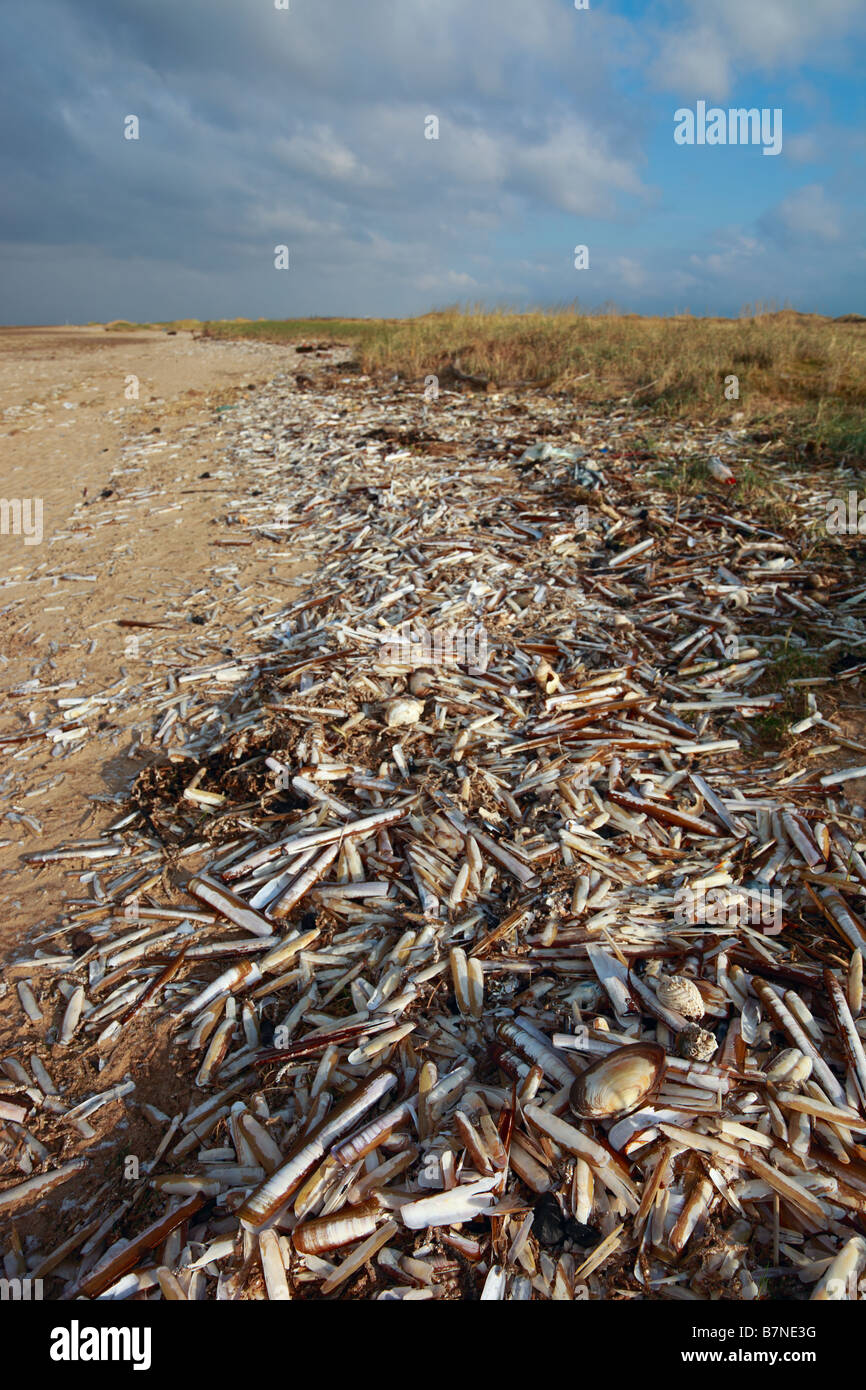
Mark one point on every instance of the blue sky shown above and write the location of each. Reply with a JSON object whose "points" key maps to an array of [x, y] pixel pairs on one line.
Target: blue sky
{"points": [[261, 127]]}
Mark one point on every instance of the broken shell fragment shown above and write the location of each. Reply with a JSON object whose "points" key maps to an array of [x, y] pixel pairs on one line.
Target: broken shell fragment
{"points": [[682, 994], [618, 1082], [546, 678], [404, 712], [697, 1044]]}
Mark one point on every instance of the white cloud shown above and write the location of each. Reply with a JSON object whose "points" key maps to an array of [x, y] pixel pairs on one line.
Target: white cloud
{"points": [[805, 149], [713, 44], [739, 251], [261, 127], [319, 153], [446, 281], [575, 168], [630, 272], [807, 215]]}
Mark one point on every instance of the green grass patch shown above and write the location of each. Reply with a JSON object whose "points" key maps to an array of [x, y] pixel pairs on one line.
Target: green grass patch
{"points": [[793, 663], [355, 332]]}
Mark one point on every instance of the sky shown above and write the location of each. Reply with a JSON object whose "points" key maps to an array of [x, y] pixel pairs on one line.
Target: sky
{"points": [[307, 127]]}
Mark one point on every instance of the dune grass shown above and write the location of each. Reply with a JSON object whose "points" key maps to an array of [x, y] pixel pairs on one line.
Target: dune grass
{"points": [[801, 375]]}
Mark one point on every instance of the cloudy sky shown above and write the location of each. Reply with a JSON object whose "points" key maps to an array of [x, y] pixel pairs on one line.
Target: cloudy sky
{"points": [[305, 127]]}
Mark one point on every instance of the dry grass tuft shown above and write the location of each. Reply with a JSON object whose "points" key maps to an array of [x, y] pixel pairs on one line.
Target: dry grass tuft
{"points": [[797, 374]]}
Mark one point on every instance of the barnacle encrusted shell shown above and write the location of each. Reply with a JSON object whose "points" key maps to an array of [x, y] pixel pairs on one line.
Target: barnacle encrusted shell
{"points": [[697, 1044], [615, 1084], [682, 994]]}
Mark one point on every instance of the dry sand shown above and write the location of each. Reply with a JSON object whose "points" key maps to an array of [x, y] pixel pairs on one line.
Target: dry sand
{"points": [[64, 419]]}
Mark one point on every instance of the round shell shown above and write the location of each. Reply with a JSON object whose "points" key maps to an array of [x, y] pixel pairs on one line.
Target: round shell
{"points": [[619, 1082], [697, 1044], [682, 994]]}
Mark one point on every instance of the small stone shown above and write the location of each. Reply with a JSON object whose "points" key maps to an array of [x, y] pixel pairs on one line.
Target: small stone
{"points": [[548, 1225], [587, 1237]]}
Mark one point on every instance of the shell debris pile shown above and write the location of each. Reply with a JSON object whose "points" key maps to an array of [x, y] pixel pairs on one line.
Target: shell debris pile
{"points": [[504, 961]]}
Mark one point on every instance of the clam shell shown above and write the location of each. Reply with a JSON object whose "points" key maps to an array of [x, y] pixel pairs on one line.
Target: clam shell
{"points": [[680, 993], [619, 1082]]}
